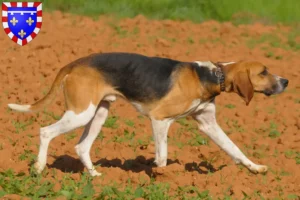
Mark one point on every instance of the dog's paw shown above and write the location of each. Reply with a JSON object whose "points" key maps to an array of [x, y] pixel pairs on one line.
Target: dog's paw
{"points": [[262, 169], [38, 167], [259, 169], [161, 162], [94, 173]]}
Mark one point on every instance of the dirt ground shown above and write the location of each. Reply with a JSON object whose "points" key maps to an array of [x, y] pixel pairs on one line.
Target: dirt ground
{"points": [[267, 130]]}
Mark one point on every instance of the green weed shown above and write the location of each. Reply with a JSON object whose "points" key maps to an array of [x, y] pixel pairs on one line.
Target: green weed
{"points": [[291, 154], [52, 115], [234, 126], [230, 106], [274, 133], [151, 191], [100, 136], [111, 122], [27, 155], [140, 117], [293, 196], [129, 123], [21, 126], [176, 139], [292, 42], [270, 39], [185, 193], [36, 187], [278, 174], [70, 136], [143, 143], [183, 122], [190, 40], [259, 154], [179, 144], [297, 101], [119, 30], [127, 136], [197, 140], [136, 31], [269, 54]]}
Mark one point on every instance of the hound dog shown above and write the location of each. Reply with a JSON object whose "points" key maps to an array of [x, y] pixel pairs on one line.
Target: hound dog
{"points": [[160, 88]]}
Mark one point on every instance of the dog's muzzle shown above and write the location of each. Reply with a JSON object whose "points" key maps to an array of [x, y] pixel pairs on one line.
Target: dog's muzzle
{"points": [[281, 84]]}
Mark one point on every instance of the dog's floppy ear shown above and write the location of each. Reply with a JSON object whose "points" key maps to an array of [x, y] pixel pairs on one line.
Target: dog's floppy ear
{"points": [[243, 86]]}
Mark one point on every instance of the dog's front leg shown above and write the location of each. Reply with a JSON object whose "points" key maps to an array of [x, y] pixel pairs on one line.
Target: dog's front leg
{"points": [[160, 133], [207, 123]]}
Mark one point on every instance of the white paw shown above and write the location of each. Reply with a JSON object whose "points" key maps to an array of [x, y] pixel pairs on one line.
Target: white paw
{"points": [[38, 167], [161, 162], [258, 168], [95, 173]]}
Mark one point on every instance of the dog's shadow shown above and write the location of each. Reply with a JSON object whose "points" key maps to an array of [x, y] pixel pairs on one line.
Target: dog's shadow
{"points": [[203, 167], [69, 164]]}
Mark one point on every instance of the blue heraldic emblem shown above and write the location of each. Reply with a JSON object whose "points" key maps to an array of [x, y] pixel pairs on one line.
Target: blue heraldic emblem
{"points": [[22, 21]]}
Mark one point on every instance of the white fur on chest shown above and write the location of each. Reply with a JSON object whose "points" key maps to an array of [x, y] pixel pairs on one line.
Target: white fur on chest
{"points": [[195, 106]]}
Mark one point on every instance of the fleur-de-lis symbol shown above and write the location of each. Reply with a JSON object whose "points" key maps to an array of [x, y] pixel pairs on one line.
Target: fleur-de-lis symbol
{"points": [[14, 21], [29, 21], [22, 33]]}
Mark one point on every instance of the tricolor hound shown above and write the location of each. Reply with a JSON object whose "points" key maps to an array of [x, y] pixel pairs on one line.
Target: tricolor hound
{"points": [[160, 88]]}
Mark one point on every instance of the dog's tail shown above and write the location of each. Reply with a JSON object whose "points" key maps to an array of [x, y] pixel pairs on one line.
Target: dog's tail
{"points": [[39, 105]]}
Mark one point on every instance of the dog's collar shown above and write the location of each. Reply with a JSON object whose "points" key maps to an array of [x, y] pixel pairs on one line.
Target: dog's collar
{"points": [[221, 78]]}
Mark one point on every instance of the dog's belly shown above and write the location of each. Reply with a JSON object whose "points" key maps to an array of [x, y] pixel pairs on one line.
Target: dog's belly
{"points": [[196, 106], [140, 108]]}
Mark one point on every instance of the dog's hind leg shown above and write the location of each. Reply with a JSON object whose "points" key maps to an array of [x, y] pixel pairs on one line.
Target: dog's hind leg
{"points": [[90, 133], [82, 94], [68, 122]]}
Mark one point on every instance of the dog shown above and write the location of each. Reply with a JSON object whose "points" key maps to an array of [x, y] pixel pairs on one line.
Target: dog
{"points": [[160, 88]]}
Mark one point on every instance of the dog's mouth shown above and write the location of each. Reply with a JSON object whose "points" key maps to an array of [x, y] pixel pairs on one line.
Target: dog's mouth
{"points": [[268, 92], [276, 89]]}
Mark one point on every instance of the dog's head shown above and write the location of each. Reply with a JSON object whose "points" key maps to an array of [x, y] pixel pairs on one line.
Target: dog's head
{"points": [[245, 78]]}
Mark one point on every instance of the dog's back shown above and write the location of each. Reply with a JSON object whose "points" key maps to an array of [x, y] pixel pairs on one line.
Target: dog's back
{"points": [[150, 77]]}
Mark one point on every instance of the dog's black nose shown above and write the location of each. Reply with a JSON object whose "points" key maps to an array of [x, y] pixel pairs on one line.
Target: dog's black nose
{"points": [[284, 82]]}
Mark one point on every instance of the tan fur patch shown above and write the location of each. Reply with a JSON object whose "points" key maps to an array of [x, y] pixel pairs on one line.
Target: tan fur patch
{"points": [[85, 85], [186, 88]]}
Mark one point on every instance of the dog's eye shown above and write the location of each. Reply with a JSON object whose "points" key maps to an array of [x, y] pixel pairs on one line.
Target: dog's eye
{"points": [[264, 73]]}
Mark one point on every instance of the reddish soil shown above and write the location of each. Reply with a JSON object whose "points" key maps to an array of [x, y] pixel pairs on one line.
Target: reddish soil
{"points": [[27, 73]]}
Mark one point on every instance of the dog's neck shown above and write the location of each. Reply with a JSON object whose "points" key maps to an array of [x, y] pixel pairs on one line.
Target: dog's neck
{"points": [[215, 74], [222, 70], [228, 77], [221, 78]]}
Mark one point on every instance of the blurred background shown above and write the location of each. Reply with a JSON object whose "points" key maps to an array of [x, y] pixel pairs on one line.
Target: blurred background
{"points": [[237, 11]]}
